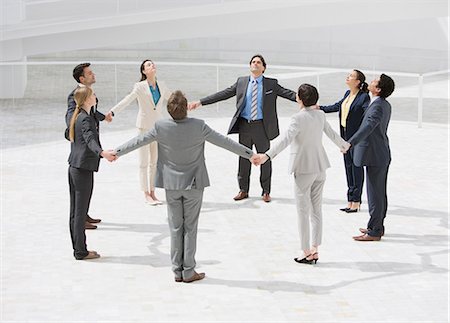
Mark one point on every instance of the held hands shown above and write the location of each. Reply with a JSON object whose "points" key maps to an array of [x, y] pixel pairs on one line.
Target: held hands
{"points": [[110, 155], [193, 105], [345, 148], [259, 159], [109, 116]]}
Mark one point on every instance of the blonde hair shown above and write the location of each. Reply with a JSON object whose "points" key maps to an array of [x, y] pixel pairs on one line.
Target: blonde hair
{"points": [[80, 95]]}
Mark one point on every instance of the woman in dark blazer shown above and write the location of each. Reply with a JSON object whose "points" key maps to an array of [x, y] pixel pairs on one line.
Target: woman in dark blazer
{"points": [[351, 109], [84, 159]]}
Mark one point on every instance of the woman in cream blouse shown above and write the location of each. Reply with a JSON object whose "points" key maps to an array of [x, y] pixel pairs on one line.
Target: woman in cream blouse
{"points": [[150, 95], [351, 109]]}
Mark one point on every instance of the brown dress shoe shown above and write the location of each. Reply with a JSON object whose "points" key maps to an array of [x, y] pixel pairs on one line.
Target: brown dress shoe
{"points": [[266, 197], [91, 220], [89, 226], [366, 237], [364, 231], [91, 255], [178, 279], [241, 195], [196, 276]]}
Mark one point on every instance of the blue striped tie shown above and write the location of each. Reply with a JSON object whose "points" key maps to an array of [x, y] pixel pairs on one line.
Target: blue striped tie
{"points": [[254, 110]]}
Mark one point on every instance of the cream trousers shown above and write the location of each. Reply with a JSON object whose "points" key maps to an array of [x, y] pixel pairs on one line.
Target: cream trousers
{"points": [[148, 156]]}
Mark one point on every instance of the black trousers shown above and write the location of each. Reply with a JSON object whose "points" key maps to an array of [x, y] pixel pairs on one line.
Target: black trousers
{"points": [[253, 133], [355, 178], [377, 198], [81, 184]]}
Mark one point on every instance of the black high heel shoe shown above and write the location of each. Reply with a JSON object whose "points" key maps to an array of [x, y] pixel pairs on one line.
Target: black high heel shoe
{"points": [[344, 209], [308, 261], [350, 210], [304, 260]]}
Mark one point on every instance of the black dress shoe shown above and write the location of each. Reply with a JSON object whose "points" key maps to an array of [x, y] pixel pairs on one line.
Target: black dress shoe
{"points": [[345, 209], [91, 220]]}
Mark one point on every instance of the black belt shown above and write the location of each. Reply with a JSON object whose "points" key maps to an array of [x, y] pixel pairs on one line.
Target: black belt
{"points": [[251, 121]]}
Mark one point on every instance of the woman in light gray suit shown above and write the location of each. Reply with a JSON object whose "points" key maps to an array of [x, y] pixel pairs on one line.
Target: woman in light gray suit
{"points": [[308, 163]]}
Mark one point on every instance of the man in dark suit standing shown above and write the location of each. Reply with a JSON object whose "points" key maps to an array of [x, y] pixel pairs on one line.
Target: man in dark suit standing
{"points": [[371, 149], [255, 120], [83, 74]]}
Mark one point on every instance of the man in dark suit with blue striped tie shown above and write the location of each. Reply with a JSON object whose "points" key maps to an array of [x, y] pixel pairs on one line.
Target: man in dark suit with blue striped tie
{"points": [[255, 119], [371, 149]]}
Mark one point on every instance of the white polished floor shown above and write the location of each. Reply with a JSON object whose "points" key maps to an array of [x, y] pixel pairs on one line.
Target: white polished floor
{"points": [[246, 248]]}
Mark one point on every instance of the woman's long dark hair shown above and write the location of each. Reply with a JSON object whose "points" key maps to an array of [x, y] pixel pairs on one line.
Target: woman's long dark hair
{"points": [[362, 81], [143, 76]]}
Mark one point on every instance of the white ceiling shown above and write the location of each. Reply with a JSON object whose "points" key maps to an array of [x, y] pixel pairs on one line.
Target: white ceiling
{"points": [[402, 35]]}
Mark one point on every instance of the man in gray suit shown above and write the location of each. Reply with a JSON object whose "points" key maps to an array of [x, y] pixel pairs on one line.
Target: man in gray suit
{"points": [[181, 171], [255, 119], [371, 149]]}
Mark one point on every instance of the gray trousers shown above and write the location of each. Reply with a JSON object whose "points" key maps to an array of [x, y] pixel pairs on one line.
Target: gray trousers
{"points": [[308, 195], [183, 208]]}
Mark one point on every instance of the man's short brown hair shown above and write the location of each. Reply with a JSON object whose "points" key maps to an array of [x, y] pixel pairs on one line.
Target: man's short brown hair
{"points": [[177, 105]]}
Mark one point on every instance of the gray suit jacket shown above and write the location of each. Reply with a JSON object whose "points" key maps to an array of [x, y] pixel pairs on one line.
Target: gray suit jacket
{"points": [[371, 143], [305, 136], [181, 146], [271, 91]]}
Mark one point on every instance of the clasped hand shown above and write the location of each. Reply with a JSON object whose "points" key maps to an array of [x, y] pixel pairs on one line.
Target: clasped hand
{"points": [[110, 155], [259, 159]]}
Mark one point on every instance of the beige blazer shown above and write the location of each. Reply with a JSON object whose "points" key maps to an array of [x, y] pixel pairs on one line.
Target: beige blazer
{"points": [[148, 112], [305, 136]]}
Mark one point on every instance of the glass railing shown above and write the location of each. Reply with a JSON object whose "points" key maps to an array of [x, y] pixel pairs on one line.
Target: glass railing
{"points": [[37, 100]]}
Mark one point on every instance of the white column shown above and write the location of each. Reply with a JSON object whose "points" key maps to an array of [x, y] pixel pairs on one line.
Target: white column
{"points": [[420, 102], [13, 78]]}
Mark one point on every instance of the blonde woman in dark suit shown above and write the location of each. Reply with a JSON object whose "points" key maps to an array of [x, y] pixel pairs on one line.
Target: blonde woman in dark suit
{"points": [[351, 110], [151, 95], [84, 159]]}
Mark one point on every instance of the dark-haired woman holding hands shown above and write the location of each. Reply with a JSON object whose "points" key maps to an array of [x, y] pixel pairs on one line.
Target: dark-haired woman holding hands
{"points": [[351, 109]]}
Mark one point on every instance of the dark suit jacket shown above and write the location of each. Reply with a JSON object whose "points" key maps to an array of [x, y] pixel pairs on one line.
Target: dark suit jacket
{"points": [[271, 91], [71, 104], [371, 143], [355, 113], [85, 150]]}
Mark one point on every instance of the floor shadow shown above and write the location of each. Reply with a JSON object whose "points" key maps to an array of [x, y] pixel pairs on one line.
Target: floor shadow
{"points": [[156, 258], [387, 269], [401, 210], [429, 240]]}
